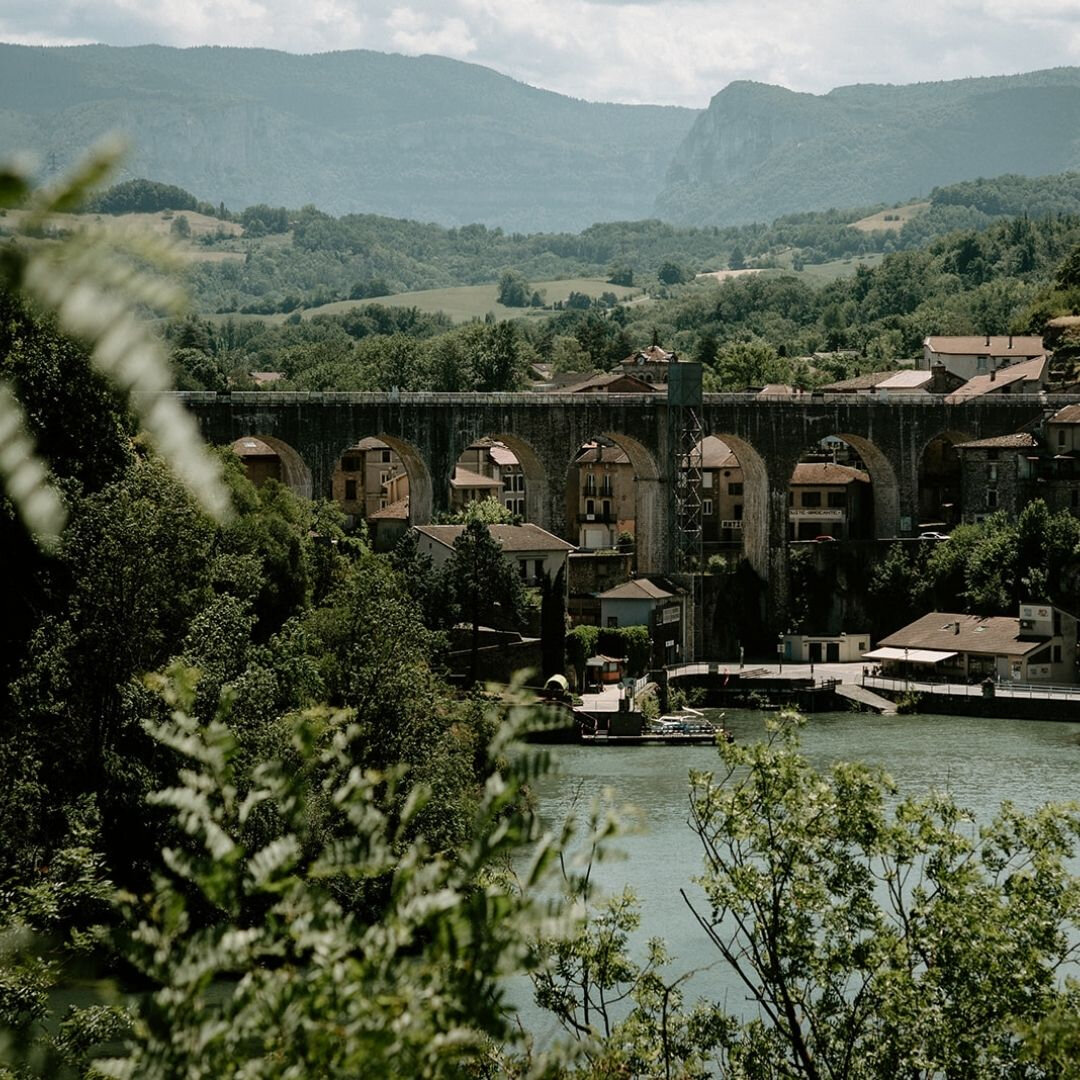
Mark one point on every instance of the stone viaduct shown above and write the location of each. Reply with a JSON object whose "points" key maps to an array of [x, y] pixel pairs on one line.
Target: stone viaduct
{"points": [[310, 431]]}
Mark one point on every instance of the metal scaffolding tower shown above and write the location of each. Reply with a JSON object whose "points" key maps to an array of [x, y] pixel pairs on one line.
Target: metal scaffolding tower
{"points": [[686, 433]]}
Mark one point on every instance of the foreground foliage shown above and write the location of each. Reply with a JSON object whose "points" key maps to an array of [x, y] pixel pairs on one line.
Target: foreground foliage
{"points": [[878, 935]]}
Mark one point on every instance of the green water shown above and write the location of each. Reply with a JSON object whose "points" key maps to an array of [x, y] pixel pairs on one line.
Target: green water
{"points": [[982, 762]]}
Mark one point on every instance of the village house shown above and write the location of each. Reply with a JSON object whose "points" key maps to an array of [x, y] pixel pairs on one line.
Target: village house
{"points": [[1038, 645], [825, 499], [643, 602], [721, 494], [1025, 377], [533, 550], [651, 364], [979, 354], [618, 382], [605, 495]]}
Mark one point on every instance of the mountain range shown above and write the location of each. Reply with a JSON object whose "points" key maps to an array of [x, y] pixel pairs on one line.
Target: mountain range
{"points": [[434, 139]]}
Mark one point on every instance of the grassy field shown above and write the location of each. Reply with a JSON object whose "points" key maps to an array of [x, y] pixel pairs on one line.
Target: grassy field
{"points": [[159, 223], [466, 302], [898, 216]]}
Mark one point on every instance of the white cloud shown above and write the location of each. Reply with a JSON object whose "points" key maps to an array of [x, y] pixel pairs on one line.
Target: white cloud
{"points": [[413, 31], [675, 51]]}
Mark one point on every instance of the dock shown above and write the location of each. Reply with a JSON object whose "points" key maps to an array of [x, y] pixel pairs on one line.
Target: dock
{"points": [[867, 698]]}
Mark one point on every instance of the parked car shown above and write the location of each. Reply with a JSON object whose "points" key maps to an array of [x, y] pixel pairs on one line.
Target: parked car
{"points": [[933, 536], [824, 539]]}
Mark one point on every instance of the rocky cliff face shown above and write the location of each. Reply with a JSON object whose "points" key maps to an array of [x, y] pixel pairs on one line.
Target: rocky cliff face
{"points": [[760, 151]]}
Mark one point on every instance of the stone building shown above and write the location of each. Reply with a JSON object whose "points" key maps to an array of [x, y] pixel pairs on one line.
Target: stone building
{"points": [[997, 474]]}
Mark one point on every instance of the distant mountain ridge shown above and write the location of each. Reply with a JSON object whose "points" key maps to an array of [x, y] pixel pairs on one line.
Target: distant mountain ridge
{"points": [[433, 139], [424, 137], [759, 151]]}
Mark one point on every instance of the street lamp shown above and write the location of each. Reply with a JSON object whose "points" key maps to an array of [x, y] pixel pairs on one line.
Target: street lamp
{"points": [[780, 652]]}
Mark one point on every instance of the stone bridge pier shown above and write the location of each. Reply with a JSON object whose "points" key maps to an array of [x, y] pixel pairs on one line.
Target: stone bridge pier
{"points": [[429, 432]]}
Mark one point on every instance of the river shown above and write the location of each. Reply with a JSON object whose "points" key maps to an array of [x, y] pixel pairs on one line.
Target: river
{"points": [[982, 762]]}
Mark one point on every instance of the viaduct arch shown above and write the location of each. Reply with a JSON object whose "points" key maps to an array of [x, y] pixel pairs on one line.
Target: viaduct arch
{"points": [[545, 430]]}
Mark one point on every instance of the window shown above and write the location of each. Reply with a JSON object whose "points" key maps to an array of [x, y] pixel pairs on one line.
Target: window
{"points": [[384, 476], [590, 484], [523, 569], [605, 486], [811, 498], [991, 473], [350, 490], [519, 481], [1061, 436], [734, 489], [992, 455], [539, 569], [737, 510], [791, 498], [351, 464], [991, 498], [590, 506], [613, 620], [382, 502], [706, 479], [837, 499], [386, 457], [706, 507], [607, 508]]}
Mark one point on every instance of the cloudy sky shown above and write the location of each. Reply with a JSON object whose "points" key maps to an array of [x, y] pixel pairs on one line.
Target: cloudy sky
{"points": [[668, 51]]}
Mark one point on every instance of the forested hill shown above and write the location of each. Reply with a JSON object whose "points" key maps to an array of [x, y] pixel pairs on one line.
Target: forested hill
{"points": [[760, 151], [424, 137]]}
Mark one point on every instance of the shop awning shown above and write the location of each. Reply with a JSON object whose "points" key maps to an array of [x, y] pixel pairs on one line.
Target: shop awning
{"points": [[918, 656]]}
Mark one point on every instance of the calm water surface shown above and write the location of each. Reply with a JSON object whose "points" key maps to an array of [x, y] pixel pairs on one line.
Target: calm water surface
{"points": [[982, 762]]}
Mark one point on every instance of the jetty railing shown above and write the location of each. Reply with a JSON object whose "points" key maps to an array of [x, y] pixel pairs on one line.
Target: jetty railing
{"points": [[1045, 691]]}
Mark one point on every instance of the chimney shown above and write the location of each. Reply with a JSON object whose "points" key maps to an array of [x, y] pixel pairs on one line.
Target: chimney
{"points": [[956, 627], [993, 374], [988, 341], [1010, 341]]}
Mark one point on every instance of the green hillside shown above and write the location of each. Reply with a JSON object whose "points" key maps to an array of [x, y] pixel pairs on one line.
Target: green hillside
{"points": [[420, 137]]}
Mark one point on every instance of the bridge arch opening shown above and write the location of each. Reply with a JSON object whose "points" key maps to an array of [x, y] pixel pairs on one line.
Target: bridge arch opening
{"points": [[735, 500], [505, 467], [268, 458], [939, 480], [384, 481], [844, 488], [614, 499]]}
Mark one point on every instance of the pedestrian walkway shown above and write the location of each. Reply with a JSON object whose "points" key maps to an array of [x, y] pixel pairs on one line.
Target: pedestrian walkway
{"points": [[862, 696]]}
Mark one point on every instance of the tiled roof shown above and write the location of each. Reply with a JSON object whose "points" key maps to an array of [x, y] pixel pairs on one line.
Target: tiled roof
{"points": [[978, 345], [778, 390], [716, 454], [1069, 415], [860, 382], [996, 634], [502, 455], [261, 378], [466, 478], [252, 447], [512, 538], [606, 382], [652, 355], [906, 380], [817, 473], [1017, 440], [637, 589], [1027, 371], [396, 511], [609, 455]]}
